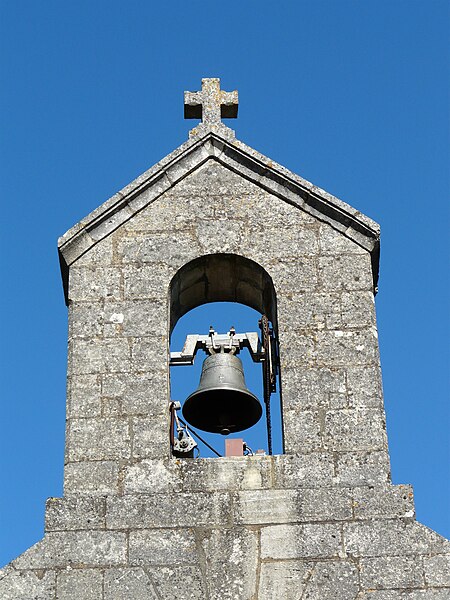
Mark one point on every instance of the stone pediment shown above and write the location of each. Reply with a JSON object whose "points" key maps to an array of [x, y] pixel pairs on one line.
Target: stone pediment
{"points": [[218, 144]]}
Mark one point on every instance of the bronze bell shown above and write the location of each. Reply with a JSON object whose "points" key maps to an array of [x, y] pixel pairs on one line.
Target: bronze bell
{"points": [[222, 403]]}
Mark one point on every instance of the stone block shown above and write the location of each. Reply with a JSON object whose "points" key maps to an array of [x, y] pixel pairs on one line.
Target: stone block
{"points": [[27, 585], [390, 538], [302, 431], [390, 502], [313, 311], [162, 510], [94, 283], [75, 548], [343, 347], [428, 594], [289, 241], [293, 276], [355, 430], [83, 396], [364, 387], [97, 355], [315, 469], [236, 548], [322, 540], [148, 353], [80, 512], [79, 584], [213, 237], [94, 478], [392, 572], [362, 468], [345, 272], [162, 547], [99, 255], [128, 583], [358, 309], [228, 474], [150, 436], [86, 319], [138, 317], [134, 390], [333, 242], [437, 569], [263, 507], [283, 580], [104, 438], [186, 580], [152, 476], [176, 248], [301, 354], [331, 580], [147, 281], [314, 388]]}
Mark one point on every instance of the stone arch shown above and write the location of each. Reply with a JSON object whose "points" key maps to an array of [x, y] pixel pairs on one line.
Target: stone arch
{"points": [[221, 278]]}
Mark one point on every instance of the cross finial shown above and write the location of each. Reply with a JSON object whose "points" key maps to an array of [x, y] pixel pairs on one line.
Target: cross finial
{"points": [[212, 104]]}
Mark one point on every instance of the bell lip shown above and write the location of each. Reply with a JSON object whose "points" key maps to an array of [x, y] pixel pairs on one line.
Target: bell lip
{"points": [[231, 389], [211, 388]]}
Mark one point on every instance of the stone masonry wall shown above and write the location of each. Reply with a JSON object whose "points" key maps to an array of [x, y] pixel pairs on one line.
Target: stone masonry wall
{"points": [[319, 522]]}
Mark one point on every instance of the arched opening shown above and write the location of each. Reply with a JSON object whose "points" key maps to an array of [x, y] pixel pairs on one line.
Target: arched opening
{"points": [[224, 290]]}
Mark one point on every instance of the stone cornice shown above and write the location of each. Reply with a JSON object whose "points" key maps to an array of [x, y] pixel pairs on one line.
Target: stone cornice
{"points": [[215, 144]]}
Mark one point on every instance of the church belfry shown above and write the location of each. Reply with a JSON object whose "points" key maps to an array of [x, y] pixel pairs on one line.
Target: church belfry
{"points": [[217, 221]]}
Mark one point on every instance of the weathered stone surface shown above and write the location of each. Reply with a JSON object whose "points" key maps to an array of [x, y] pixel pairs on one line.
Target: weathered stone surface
{"points": [[75, 548], [121, 583], [389, 502], [186, 582], [94, 283], [149, 436], [131, 390], [396, 537], [27, 585], [236, 473], [79, 584], [96, 477], [315, 469], [231, 563], [83, 396], [392, 572], [301, 541], [162, 510], [437, 569], [98, 439], [332, 579], [428, 594], [81, 512], [261, 507], [99, 356], [284, 579], [152, 476], [162, 547], [355, 468], [354, 430]]}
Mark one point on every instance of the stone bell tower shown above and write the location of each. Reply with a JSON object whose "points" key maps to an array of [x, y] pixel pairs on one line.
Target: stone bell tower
{"points": [[217, 221]]}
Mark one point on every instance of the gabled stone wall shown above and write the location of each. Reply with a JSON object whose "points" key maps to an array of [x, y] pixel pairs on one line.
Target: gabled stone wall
{"points": [[321, 521]]}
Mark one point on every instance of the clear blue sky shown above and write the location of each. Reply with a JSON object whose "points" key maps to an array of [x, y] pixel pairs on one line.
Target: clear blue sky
{"points": [[351, 95]]}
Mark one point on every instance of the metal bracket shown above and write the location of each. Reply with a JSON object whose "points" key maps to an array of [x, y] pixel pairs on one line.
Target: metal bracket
{"points": [[218, 342]]}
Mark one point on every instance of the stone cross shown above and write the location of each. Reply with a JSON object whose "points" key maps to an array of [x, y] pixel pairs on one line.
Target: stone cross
{"points": [[211, 104]]}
